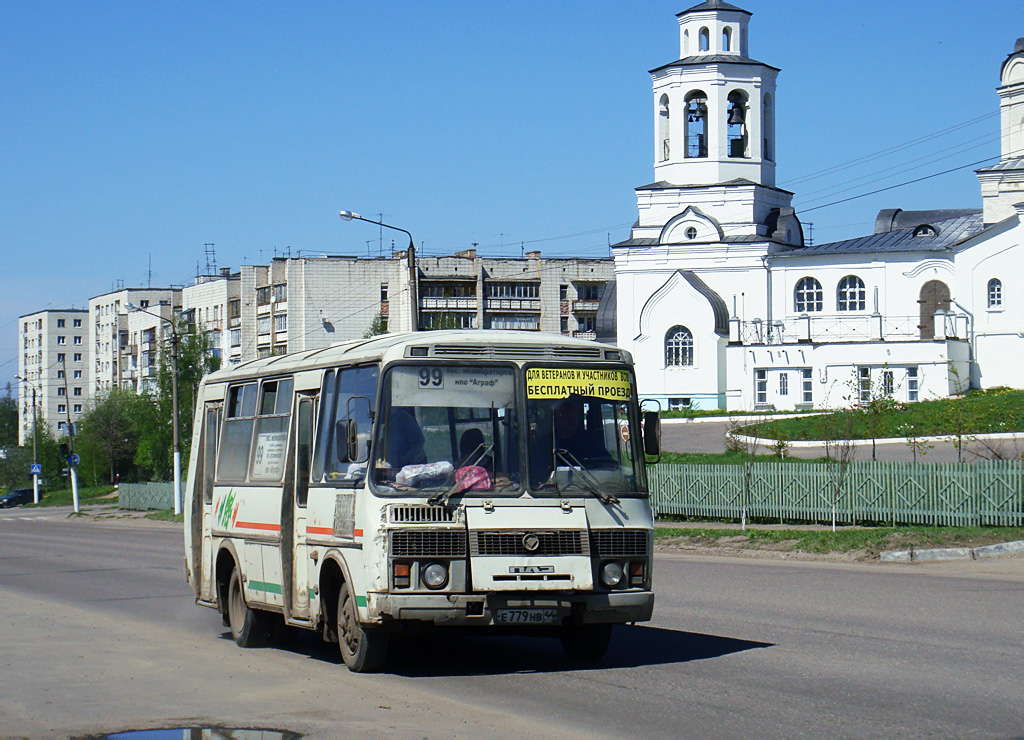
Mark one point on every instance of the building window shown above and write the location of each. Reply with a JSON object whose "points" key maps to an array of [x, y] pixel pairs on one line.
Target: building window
{"points": [[450, 290], [263, 295], [767, 127], [705, 39], [61, 408], [236, 337], [61, 391], [78, 374], [912, 383], [760, 387], [60, 357], [678, 404], [234, 308], [588, 292], [60, 375], [446, 320], [77, 323], [563, 292], [383, 292], [587, 323], [851, 296], [60, 323], [783, 384], [995, 293], [887, 383], [678, 347], [525, 322], [664, 130], [142, 304], [691, 232], [513, 290], [60, 340], [808, 296], [696, 124], [281, 322], [78, 357], [263, 325], [280, 292], [76, 391], [808, 385], [726, 39], [78, 408], [76, 340], [864, 384]]}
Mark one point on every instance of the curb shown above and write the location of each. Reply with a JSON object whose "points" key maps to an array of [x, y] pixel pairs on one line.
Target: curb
{"points": [[812, 443], [952, 553], [724, 419]]}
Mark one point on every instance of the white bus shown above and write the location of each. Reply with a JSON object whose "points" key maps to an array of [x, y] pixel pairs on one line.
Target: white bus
{"points": [[452, 478]]}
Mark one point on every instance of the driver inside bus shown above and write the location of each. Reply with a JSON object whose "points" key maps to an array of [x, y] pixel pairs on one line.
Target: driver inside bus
{"points": [[405, 439], [582, 446]]}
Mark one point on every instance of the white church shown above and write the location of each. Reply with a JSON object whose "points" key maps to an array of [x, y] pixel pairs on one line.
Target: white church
{"points": [[724, 305]]}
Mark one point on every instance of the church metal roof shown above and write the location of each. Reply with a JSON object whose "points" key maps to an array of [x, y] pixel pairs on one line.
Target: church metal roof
{"points": [[705, 59], [713, 5], [949, 233], [1017, 163]]}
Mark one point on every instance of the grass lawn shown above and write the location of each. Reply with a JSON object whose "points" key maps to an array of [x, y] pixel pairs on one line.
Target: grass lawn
{"points": [[86, 495], [864, 543], [727, 458], [978, 412]]}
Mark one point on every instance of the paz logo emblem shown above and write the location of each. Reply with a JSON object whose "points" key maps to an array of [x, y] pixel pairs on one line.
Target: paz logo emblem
{"points": [[531, 542]]}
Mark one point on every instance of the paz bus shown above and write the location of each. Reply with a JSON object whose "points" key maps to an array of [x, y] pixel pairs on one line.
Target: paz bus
{"points": [[487, 479]]}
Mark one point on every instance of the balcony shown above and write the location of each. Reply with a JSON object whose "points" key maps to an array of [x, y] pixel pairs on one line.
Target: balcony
{"points": [[845, 329], [592, 335], [513, 304], [448, 303], [585, 306]]}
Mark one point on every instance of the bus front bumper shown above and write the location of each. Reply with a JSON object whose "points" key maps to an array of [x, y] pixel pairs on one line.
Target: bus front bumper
{"points": [[513, 609]]}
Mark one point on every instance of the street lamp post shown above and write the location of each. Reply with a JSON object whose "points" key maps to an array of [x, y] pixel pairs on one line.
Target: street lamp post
{"points": [[35, 440], [350, 216], [174, 402]]}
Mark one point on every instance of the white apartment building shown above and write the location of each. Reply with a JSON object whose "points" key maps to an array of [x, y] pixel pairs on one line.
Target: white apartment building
{"points": [[296, 304], [53, 361], [212, 304], [125, 345], [724, 305]]}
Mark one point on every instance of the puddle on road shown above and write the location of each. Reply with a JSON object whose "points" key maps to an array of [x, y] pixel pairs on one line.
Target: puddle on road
{"points": [[196, 733]]}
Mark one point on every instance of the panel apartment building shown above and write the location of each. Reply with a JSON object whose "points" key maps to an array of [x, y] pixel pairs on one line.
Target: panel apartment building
{"points": [[301, 303], [53, 361]]}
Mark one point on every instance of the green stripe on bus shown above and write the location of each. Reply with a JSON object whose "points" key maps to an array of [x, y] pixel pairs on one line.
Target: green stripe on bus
{"points": [[270, 588], [360, 601]]}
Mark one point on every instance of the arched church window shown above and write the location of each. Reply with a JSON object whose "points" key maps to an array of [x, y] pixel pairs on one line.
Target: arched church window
{"points": [[691, 232], [736, 124], [705, 39], [663, 129], [726, 39], [678, 347], [808, 296], [697, 124], [768, 127], [686, 43], [851, 296], [995, 293]]}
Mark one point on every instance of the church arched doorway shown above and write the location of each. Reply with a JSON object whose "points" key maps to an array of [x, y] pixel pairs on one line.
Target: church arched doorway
{"points": [[934, 296]]}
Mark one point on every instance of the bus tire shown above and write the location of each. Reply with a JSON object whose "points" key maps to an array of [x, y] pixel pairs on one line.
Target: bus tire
{"points": [[363, 650], [248, 626], [586, 642]]}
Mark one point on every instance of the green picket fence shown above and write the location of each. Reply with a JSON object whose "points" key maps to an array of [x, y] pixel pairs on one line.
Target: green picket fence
{"points": [[953, 494]]}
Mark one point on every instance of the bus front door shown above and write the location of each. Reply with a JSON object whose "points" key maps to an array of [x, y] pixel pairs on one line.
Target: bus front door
{"points": [[302, 452]]}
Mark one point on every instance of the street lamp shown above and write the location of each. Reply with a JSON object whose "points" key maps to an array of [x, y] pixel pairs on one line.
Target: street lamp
{"points": [[174, 401], [350, 216], [35, 428]]}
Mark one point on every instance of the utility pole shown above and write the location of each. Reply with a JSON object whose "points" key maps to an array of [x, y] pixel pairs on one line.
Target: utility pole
{"points": [[35, 441], [72, 464]]}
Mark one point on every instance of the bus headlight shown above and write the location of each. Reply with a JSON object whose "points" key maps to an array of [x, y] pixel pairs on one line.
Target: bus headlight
{"points": [[434, 575], [611, 574]]}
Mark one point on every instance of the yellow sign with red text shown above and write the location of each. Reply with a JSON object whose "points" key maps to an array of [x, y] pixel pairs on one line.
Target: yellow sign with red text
{"points": [[551, 382]]}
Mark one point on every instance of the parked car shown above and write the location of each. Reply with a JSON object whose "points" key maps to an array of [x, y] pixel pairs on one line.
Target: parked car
{"points": [[16, 497]]}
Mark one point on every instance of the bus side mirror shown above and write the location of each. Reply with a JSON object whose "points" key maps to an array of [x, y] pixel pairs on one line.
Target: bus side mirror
{"points": [[652, 433]]}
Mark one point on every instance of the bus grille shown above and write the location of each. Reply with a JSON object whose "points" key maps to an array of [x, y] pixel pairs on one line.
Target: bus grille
{"points": [[620, 543], [429, 544], [561, 542], [412, 514]]}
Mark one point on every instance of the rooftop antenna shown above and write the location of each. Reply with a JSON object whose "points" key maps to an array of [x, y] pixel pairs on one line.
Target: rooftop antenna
{"points": [[211, 258], [149, 276]]}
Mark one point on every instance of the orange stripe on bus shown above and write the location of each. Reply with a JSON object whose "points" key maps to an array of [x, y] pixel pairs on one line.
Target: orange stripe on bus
{"points": [[320, 530], [259, 525], [358, 533]]}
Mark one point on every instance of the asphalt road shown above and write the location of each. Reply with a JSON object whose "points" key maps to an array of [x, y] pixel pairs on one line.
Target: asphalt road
{"points": [[100, 634]]}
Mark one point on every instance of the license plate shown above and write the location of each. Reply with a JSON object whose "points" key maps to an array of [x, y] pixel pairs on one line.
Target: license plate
{"points": [[526, 616]]}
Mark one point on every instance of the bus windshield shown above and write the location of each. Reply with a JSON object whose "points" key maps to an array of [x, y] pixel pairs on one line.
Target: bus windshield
{"points": [[449, 428], [581, 427]]}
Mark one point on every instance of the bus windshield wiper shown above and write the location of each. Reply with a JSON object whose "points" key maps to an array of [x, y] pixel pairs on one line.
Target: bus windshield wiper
{"points": [[441, 497], [588, 480]]}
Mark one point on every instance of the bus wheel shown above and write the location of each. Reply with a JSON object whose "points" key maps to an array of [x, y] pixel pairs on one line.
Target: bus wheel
{"points": [[362, 650], [586, 641], [247, 626]]}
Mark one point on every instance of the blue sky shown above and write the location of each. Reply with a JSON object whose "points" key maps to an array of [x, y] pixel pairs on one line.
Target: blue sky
{"points": [[138, 131]]}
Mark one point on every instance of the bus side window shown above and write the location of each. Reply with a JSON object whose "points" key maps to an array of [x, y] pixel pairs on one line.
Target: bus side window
{"points": [[344, 428], [271, 430], [237, 437], [303, 449]]}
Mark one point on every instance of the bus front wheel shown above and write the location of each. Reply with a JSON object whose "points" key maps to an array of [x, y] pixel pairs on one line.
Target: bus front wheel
{"points": [[247, 626], [586, 641], [362, 650]]}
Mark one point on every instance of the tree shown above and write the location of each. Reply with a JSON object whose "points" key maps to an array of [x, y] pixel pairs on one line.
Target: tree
{"points": [[379, 325], [8, 419], [108, 435]]}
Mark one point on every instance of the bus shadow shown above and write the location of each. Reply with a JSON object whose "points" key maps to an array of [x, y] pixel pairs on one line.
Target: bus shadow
{"points": [[439, 653], [631, 647]]}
